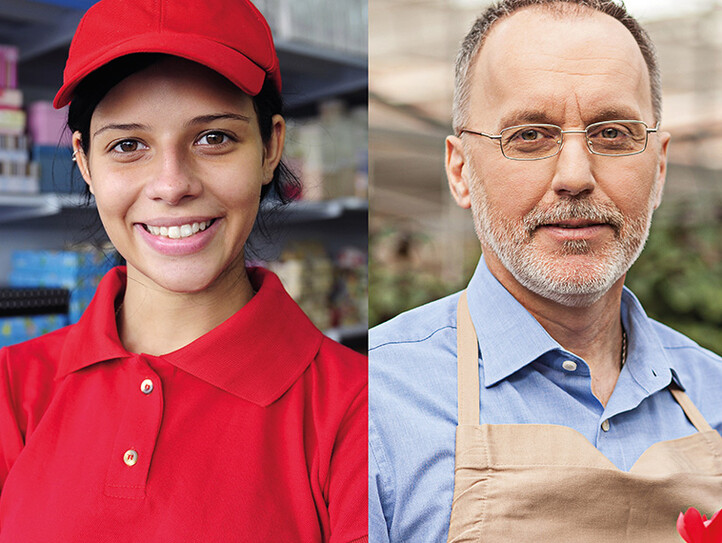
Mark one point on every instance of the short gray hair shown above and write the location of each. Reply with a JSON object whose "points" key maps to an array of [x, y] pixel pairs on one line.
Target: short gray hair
{"points": [[473, 41]]}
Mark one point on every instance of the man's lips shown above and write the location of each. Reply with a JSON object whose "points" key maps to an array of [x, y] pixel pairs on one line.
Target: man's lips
{"points": [[576, 230], [575, 223]]}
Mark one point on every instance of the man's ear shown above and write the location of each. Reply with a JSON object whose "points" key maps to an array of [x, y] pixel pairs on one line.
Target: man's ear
{"points": [[81, 160], [662, 167], [273, 148], [456, 171]]}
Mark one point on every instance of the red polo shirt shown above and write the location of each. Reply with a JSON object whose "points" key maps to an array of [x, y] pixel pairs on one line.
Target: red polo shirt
{"points": [[255, 432]]}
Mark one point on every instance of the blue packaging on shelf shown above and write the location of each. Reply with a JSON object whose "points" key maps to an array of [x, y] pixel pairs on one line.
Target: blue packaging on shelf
{"points": [[16, 329], [78, 271]]}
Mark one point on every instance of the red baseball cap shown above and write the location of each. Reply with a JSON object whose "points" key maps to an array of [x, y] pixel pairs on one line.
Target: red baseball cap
{"points": [[228, 36]]}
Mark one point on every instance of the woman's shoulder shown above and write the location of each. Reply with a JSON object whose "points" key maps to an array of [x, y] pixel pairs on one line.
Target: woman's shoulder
{"points": [[336, 383], [341, 365], [28, 383], [39, 356]]}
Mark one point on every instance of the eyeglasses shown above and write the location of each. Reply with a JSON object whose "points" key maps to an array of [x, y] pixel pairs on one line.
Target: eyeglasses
{"points": [[538, 141]]}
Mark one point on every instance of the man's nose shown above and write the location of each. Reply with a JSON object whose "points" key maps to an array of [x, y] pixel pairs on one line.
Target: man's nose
{"points": [[173, 179], [573, 173]]}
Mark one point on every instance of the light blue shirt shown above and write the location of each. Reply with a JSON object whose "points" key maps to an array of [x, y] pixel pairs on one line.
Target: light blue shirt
{"points": [[413, 390]]}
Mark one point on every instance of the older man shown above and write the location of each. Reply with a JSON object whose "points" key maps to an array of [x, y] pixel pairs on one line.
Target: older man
{"points": [[542, 404]]}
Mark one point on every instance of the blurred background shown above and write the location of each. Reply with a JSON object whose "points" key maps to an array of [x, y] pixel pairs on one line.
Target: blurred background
{"points": [[422, 246]]}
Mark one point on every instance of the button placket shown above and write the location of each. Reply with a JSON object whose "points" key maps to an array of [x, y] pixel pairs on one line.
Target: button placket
{"points": [[137, 432]]}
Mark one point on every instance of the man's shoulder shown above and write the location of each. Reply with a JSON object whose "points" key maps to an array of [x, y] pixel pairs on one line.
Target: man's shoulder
{"points": [[676, 343], [416, 325]]}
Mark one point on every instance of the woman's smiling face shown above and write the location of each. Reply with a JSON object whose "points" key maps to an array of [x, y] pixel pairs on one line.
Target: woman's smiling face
{"points": [[176, 163]]}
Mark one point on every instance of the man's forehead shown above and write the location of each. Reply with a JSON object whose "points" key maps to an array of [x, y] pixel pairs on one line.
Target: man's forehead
{"points": [[547, 55]]}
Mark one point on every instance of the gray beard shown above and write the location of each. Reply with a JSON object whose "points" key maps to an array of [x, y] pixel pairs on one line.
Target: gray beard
{"points": [[545, 273]]}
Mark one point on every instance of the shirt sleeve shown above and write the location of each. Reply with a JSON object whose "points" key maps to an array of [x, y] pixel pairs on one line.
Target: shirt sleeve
{"points": [[347, 496], [11, 438]]}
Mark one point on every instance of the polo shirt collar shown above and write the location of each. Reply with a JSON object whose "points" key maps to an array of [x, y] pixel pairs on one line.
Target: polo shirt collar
{"points": [[256, 354], [510, 338]]}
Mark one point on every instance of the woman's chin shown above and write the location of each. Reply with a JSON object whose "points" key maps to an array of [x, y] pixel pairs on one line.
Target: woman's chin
{"points": [[182, 278]]}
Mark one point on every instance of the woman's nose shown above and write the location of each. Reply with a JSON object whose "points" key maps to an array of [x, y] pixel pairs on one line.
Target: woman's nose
{"points": [[173, 179]]}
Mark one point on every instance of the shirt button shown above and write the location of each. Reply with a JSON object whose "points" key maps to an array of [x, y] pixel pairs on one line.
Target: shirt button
{"points": [[130, 457], [146, 387], [605, 425], [569, 365]]}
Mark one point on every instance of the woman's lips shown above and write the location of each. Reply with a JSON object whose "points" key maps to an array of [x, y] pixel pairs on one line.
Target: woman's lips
{"points": [[178, 231], [178, 237]]}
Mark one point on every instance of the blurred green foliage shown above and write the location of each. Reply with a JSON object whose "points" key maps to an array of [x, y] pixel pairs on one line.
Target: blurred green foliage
{"points": [[400, 282], [678, 277]]}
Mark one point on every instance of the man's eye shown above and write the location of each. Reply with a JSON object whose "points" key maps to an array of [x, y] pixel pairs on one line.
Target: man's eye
{"points": [[530, 135], [213, 138], [128, 146], [610, 133]]}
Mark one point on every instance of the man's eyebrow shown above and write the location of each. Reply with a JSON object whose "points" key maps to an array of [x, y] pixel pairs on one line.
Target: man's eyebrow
{"points": [[204, 119], [615, 114], [524, 116], [121, 126]]}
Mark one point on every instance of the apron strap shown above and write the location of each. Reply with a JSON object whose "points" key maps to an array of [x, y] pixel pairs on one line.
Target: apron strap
{"points": [[693, 414], [467, 348]]}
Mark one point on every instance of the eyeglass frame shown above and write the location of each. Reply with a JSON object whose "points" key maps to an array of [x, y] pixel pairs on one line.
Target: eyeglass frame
{"points": [[560, 144]]}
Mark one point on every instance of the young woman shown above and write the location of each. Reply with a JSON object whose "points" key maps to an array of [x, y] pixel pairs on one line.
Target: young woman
{"points": [[193, 401]]}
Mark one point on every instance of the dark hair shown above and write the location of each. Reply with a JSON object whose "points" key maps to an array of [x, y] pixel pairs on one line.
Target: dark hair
{"points": [[93, 88], [474, 40]]}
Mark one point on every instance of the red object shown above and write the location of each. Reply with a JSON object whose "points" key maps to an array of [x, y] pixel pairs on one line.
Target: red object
{"points": [[254, 432], [695, 528], [228, 36]]}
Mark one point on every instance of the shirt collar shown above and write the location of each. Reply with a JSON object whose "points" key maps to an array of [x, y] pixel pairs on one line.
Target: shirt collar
{"points": [[647, 359], [510, 338], [256, 354]]}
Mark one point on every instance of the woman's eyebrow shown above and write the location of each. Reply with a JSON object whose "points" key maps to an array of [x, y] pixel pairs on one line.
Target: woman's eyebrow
{"points": [[127, 126], [204, 119]]}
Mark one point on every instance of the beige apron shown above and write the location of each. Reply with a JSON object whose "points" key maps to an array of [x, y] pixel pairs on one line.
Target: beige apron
{"points": [[524, 483]]}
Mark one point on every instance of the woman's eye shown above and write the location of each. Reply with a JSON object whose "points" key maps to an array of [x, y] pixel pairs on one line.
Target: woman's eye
{"points": [[128, 146], [213, 138]]}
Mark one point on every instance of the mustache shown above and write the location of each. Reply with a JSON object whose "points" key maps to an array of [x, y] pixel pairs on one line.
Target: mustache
{"points": [[601, 213]]}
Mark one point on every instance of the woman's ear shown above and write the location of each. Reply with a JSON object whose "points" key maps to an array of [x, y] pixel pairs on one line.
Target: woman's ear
{"points": [[81, 160], [273, 148]]}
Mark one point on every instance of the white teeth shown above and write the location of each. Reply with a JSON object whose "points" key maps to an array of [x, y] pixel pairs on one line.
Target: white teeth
{"points": [[178, 232]]}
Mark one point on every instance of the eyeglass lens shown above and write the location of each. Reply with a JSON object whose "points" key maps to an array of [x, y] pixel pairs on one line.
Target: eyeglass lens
{"points": [[530, 142]]}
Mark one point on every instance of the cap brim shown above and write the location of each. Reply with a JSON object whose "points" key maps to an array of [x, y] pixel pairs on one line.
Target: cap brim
{"points": [[228, 62]]}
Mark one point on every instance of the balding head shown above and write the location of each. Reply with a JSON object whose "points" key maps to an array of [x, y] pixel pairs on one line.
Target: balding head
{"points": [[479, 32]]}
